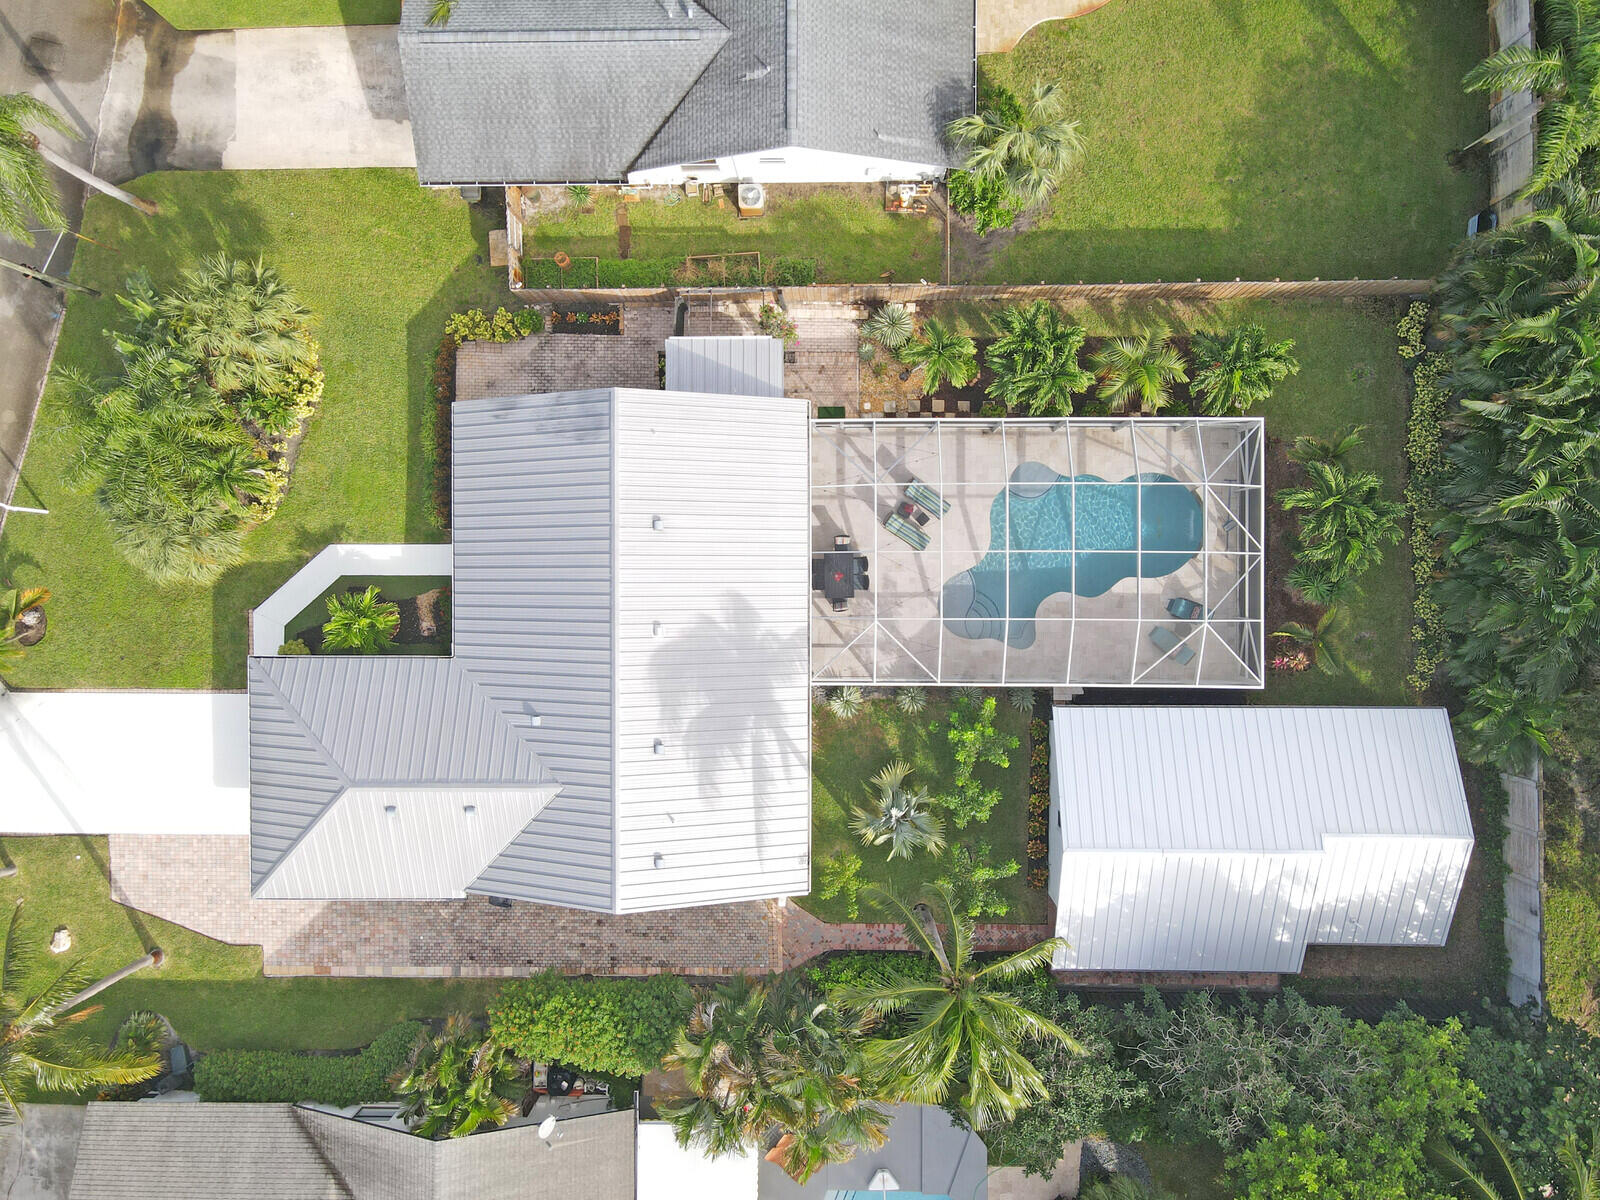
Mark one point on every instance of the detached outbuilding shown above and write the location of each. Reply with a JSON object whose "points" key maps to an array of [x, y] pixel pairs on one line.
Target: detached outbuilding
{"points": [[1230, 839]]}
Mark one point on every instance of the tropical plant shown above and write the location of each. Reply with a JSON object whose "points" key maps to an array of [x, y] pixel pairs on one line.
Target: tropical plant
{"points": [[441, 12], [41, 1047], [1139, 370], [579, 193], [975, 738], [1308, 448], [775, 1058], [987, 199], [1022, 700], [890, 326], [613, 1026], [1238, 370], [901, 816], [1029, 143], [14, 624], [360, 621], [911, 699], [1325, 641], [455, 1081], [1122, 1187], [1344, 521], [1499, 1179], [942, 355], [1565, 73], [966, 1030], [1034, 361], [841, 876], [971, 878], [846, 702]]}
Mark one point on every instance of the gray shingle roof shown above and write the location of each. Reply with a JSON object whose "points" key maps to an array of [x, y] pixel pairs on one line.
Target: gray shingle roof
{"points": [[523, 91]]}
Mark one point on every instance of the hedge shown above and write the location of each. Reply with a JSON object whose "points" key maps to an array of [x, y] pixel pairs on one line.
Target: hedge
{"points": [[613, 1026], [283, 1077], [667, 272]]}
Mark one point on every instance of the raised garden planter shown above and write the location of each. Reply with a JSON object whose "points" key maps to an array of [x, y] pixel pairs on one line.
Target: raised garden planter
{"points": [[606, 320], [424, 603]]}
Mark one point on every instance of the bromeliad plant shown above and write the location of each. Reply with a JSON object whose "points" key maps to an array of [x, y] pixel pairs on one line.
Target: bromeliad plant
{"points": [[455, 1081], [966, 1032], [901, 817], [360, 621]]}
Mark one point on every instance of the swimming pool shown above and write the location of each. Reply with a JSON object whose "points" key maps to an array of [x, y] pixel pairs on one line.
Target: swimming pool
{"points": [[1142, 525]]}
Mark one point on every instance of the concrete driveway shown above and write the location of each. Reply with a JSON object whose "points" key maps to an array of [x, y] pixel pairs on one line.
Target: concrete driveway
{"points": [[253, 98]]}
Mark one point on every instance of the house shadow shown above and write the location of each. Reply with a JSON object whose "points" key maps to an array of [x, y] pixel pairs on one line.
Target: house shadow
{"points": [[241, 588]]}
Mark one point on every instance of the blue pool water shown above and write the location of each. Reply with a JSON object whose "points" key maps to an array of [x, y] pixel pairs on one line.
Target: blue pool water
{"points": [[1113, 544]]}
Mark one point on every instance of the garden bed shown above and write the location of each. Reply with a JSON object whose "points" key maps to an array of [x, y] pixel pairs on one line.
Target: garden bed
{"points": [[424, 603], [602, 320]]}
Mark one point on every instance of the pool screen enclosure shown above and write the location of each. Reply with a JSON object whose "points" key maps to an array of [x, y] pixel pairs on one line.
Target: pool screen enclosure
{"points": [[1041, 552]]}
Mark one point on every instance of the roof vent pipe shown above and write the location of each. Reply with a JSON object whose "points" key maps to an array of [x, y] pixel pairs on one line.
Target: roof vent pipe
{"points": [[660, 746], [392, 809], [470, 809], [657, 523]]}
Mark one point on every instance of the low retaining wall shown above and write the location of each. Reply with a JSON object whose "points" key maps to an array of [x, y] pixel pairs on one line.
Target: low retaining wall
{"points": [[269, 619]]}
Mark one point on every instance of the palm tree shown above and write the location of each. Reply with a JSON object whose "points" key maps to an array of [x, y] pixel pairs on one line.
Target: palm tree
{"points": [[942, 355], [360, 621], [39, 1044], [1139, 370], [1325, 641], [1565, 73], [1344, 520], [1034, 361], [1583, 1169], [911, 699], [1236, 371], [25, 185], [441, 12], [1030, 144], [456, 1081], [765, 1058], [21, 613], [901, 816], [965, 1017], [845, 702], [1308, 448]]}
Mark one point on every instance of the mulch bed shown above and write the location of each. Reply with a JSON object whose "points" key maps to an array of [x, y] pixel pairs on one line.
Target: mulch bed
{"points": [[420, 622], [599, 319], [1283, 603]]}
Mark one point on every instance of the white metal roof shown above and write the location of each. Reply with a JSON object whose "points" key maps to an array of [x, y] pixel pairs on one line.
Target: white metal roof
{"points": [[1228, 839], [738, 366], [630, 613], [668, 1171]]}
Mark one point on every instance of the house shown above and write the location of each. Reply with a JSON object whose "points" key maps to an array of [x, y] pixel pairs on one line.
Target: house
{"points": [[665, 91], [624, 721], [1197, 839], [156, 1151]]}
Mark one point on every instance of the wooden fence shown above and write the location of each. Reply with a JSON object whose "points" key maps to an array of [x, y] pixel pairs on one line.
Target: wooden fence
{"points": [[1065, 293]]}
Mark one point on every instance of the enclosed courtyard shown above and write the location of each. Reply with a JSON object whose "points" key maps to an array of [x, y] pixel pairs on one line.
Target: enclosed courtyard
{"points": [[1120, 551]]}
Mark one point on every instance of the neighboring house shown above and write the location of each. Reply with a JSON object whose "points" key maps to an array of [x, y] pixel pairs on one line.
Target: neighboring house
{"points": [[664, 91], [1230, 839], [624, 722], [210, 1151]]}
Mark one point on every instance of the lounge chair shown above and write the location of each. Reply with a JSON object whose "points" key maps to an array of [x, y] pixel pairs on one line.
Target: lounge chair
{"points": [[925, 498], [1185, 609], [1170, 644], [906, 531]]}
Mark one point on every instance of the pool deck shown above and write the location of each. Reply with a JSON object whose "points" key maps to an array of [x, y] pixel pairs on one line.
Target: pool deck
{"points": [[895, 634]]}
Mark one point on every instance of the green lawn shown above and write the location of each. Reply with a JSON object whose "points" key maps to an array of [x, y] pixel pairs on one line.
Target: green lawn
{"points": [[1265, 139], [845, 229], [380, 263], [213, 993], [845, 757], [249, 14]]}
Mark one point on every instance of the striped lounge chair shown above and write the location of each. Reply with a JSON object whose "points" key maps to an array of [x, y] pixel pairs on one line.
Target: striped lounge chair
{"points": [[906, 531], [925, 498]]}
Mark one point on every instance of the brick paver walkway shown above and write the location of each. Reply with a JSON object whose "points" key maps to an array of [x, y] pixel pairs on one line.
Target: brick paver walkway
{"points": [[203, 883], [560, 362]]}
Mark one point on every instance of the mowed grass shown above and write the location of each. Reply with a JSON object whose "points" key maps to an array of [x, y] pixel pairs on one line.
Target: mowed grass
{"points": [[843, 228], [845, 757], [380, 263], [212, 992], [1350, 374], [250, 14], [1255, 138]]}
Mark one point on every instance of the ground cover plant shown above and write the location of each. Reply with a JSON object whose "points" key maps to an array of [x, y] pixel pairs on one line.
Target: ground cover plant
{"points": [[1202, 159], [381, 264], [843, 230], [849, 750]]}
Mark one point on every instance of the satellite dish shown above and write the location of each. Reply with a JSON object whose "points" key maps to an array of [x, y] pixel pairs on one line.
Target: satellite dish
{"points": [[547, 1127]]}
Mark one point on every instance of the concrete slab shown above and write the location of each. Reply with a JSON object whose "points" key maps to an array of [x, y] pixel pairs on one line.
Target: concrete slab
{"points": [[124, 762], [329, 96], [37, 1156]]}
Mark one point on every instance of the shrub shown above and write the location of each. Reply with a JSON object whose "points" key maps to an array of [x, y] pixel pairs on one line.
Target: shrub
{"points": [[294, 647], [528, 320], [774, 322], [861, 969], [975, 740], [987, 199], [615, 1026], [971, 879], [475, 325], [841, 876], [1411, 328], [280, 1077], [666, 272]]}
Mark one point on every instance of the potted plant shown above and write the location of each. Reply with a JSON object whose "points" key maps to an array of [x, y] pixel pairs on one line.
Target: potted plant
{"points": [[22, 620]]}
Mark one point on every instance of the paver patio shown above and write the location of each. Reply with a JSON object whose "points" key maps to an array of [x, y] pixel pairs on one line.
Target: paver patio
{"points": [[203, 883]]}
